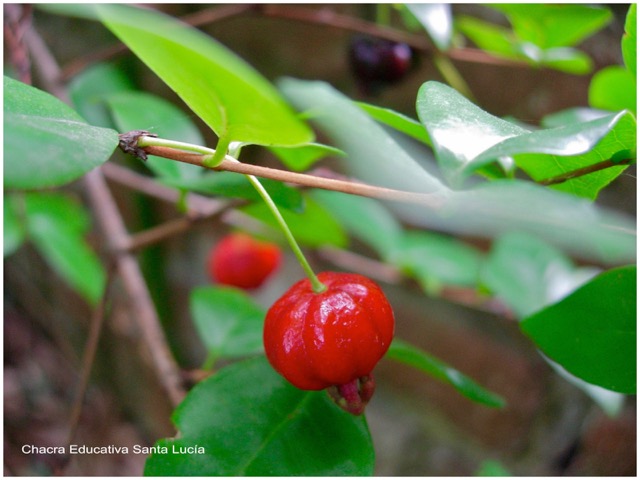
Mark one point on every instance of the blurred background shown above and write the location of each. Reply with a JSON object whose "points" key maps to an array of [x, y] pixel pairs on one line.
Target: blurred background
{"points": [[420, 427]]}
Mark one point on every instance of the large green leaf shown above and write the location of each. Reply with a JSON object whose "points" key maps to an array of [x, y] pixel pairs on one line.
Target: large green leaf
{"points": [[592, 332], [57, 225], [408, 354], [302, 157], [46, 143], [228, 321], [486, 210], [249, 421], [229, 95], [397, 121], [143, 111]]}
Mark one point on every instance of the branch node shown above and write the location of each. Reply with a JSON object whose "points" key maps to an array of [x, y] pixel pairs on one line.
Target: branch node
{"points": [[129, 143]]}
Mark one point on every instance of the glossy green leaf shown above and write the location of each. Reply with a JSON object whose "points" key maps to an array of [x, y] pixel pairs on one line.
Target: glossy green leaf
{"points": [[251, 422], [528, 274], [435, 260], [13, 225], [630, 39], [397, 121], [406, 353], [548, 26], [592, 332], [436, 20], [89, 88], [314, 227], [613, 88], [364, 218], [57, 225], [230, 96], [228, 321], [449, 117], [143, 111], [303, 157], [235, 185], [46, 143]]}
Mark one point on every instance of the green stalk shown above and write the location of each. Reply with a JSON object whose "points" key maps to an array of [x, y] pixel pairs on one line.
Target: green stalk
{"points": [[316, 284]]}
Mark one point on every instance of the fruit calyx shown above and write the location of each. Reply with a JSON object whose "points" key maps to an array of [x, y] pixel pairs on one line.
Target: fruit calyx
{"points": [[354, 395]]}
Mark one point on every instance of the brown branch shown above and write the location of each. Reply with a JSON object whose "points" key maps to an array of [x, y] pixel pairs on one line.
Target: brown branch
{"points": [[580, 172], [353, 188]]}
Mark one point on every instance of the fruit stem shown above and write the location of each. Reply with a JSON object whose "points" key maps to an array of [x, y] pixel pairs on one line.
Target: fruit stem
{"points": [[316, 284]]}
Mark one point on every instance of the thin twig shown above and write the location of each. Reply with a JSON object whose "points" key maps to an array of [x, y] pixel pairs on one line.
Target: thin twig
{"points": [[580, 172], [197, 205], [143, 310], [429, 200], [88, 358]]}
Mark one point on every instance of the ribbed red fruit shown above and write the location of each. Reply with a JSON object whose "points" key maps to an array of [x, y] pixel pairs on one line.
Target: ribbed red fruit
{"points": [[242, 261], [330, 339]]}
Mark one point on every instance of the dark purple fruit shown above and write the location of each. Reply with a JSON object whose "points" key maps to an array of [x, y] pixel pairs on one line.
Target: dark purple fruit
{"points": [[377, 62]]}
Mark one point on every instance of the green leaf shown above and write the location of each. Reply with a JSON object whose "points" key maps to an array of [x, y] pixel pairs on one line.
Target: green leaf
{"points": [[492, 468], [548, 26], [228, 321], [314, 227], [436, 20], [397, 121], [56, 225], [565, 59], [449, 117], [435, 260], [613, 88], [495, 39], [232, 98], [592, 332], [89, 88], [143, 111], [252, 422], [364, 218], [303, 157], [630, 39], [14, 231], [46, 143], [528, 274], [406, 353], [235, 185]]}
